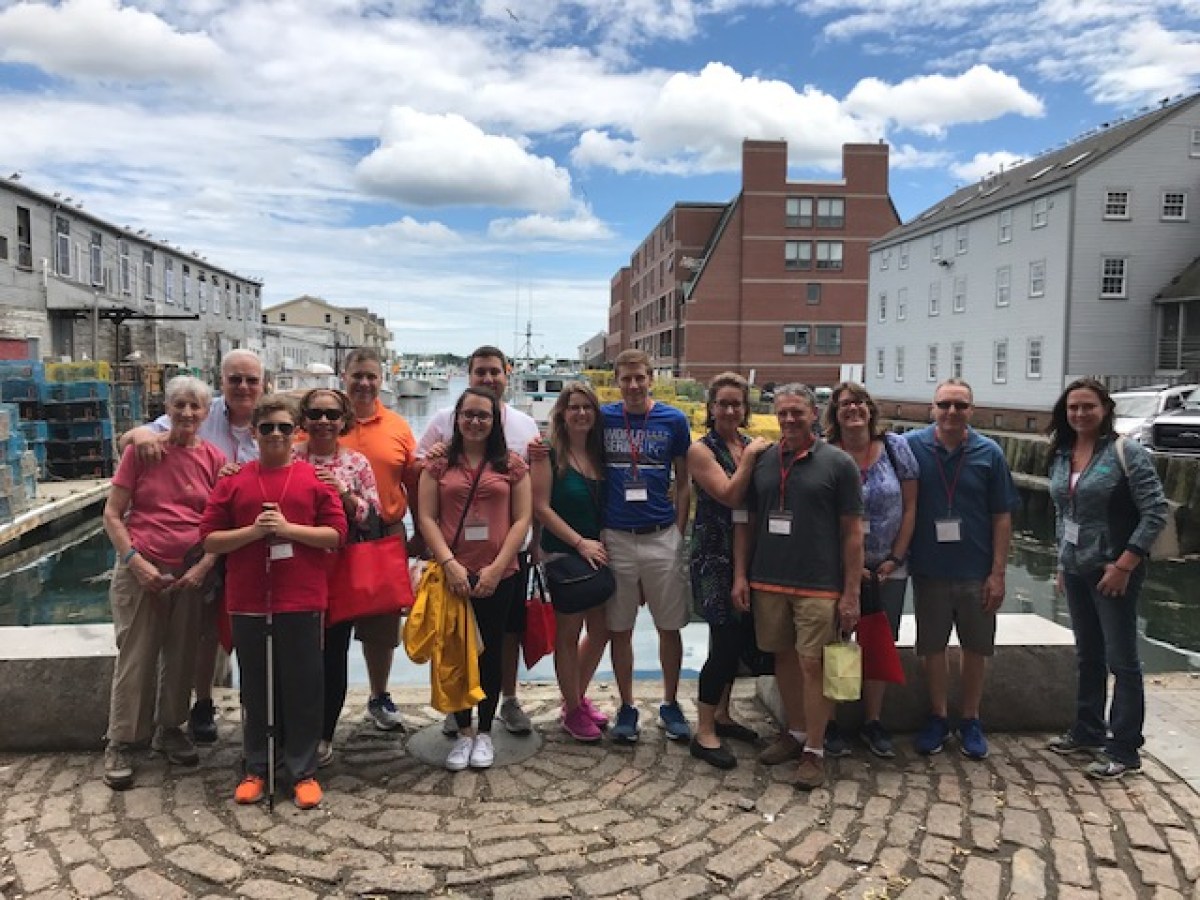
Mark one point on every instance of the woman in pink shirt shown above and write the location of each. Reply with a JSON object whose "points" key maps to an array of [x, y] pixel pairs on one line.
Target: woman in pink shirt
{"points": [[152, 516], [475, 508]]}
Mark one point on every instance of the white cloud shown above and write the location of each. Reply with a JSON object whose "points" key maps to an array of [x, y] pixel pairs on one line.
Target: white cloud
{"points": [[101, 39], [444, 160], [1155, 62], [580, 228], [930, 103], [983, 164], [407, 230], [906, 156]]}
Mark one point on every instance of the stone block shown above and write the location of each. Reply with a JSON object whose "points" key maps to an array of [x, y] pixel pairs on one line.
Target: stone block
{"points": [[54, 686], [1030, 681]]}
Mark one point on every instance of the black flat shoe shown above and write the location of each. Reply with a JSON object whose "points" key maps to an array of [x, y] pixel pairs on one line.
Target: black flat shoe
{"points": [[737, 731], [720, 757]]}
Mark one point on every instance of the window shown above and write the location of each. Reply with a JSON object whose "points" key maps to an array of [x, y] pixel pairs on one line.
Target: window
{"points": [[1195, 150], [148, 273], [1003, 285], [795, 340], [62, 246], [1113, 277], [813, 294], [880, 360], [3, 246], [797, 255], [961, 239], [935, 298], [960, 294], [328, 318], [883, 306], [829, 340], [1033, 358], [1037, 278], [97, 258], [202, 293], [187, 287], [901, 304], [169, 280], [956, 360], [904, 256], [346, 320], [1005, 223], [1174, 206], [799, 212], [829, 254], [899, 364], [123, 267], [216, 295], [24, 242], [1116, 205], [831, 212], [1040, 213], [931, 373], [935, 247], [885, 259], [1000, 362], [283, 317]]}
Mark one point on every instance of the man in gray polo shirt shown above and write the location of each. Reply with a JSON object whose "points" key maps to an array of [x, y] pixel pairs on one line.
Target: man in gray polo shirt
{"points": [[798, 562]]}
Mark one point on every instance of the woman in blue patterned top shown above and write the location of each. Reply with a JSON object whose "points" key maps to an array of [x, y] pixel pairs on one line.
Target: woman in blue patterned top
{"points": [[889, 477]]}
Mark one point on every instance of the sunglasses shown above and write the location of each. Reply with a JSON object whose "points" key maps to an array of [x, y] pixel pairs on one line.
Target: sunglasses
{"points": [[957, 405], [284, 428], [238, 380], [316, 415]]}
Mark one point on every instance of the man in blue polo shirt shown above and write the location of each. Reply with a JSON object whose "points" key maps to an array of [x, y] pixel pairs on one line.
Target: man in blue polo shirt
{"points": [[644, 518], [957, 558]]}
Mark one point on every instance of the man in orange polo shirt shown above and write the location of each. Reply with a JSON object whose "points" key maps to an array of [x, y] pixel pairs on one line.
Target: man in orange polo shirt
{"points": [[385, 439]]}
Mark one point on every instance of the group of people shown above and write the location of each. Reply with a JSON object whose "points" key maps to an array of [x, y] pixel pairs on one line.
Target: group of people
{"points": [[786, 539]]}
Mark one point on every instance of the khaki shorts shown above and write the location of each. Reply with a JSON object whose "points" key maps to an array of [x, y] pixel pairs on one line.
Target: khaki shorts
{"points": [[783, 620], [382, 631], [647, 564], [943, 603]]}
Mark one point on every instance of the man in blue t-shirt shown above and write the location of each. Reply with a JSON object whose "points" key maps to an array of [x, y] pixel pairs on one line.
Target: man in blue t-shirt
{"points": [[958, 556], [644, 517]]}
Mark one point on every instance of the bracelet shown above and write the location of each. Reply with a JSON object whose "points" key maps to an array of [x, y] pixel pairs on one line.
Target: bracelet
{"points": [[1122, 569], [132, 552], [449, 559], [575, 546]]}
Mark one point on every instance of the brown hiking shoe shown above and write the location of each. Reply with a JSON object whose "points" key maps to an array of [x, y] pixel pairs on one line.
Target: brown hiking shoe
{"points": [[783, 748], [810, 773]]}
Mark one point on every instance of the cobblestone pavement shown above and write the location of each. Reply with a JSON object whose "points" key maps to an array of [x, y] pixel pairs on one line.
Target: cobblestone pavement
{"points": [[593, 821]]}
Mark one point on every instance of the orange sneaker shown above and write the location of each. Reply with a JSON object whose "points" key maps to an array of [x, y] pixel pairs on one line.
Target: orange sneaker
{"points": [[307, 793], [250, 790]]}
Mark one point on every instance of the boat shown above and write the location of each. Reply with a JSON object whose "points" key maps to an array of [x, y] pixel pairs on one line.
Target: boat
{"points": [[535, 392], [409, 382], [436, 375], [299, 381]]}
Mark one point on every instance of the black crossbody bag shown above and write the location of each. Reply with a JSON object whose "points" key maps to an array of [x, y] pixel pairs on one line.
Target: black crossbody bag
{"points": [[575, 586]]}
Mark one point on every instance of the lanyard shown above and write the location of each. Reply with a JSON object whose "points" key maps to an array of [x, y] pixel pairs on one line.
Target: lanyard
{"points": [[784, 472], [263, 488], [633, 451], [950, 486]]}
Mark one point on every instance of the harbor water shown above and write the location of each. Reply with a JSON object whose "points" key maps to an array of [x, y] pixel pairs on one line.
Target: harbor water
{"points": [[65, 581]]}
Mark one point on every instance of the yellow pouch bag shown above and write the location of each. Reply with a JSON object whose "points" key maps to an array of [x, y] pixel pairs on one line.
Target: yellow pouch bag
{"points": [[843, 671]]}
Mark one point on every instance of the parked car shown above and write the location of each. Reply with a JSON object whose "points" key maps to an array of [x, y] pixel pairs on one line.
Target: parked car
{"points": [[1137, 408], [1177, 431]]}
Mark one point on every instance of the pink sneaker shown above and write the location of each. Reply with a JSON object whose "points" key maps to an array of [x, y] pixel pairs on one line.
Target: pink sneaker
{"points": [[579, 725], [601, 719]]}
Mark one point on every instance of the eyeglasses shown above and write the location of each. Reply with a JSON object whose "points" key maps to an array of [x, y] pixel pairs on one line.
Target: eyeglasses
{"points": [[851, 401], [316, 415], [728, 404], [472, 416], [284, 428], [238, 380], [957, 405]]}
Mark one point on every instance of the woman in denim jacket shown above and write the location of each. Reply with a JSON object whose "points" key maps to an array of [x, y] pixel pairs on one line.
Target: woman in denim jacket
{"points": [[1106, 522]]}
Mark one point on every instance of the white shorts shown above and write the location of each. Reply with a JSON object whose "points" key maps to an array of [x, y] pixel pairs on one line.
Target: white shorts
{"points": [[649, 565]]}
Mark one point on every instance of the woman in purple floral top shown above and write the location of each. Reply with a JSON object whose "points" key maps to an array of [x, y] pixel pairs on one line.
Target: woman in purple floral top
{"points": [[889, 477], [325, 415]]}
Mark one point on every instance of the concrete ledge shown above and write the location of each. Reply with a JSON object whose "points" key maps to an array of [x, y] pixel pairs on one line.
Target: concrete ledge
{"points": [[54, 686], [1030, 682]]}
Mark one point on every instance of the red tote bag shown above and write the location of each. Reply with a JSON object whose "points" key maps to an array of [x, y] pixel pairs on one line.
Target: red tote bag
{"points": [[369, 578], [538, 640], [880, 658]]}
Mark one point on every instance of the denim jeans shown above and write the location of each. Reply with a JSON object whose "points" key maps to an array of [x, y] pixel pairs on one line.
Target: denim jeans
{"points": [[1106, 641]]}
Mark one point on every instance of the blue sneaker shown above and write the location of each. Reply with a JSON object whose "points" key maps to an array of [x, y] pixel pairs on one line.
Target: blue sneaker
{"points": [[971, 740], [673, 722], [932, 738], [835, 745], [626, 729]]}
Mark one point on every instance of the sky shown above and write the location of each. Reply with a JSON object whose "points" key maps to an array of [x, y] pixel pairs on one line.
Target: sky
{"points": [[466, 168]]}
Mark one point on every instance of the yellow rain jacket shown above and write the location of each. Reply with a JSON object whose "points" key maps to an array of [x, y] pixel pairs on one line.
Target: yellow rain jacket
{"points": [[441, 630]]}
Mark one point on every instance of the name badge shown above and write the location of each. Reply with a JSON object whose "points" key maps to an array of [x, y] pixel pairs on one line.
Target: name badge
{"points": [[740, 516], [779, 522], [949, 531], [636, 492], [1070, 531], [866, 526], [282, 551], [475, 531]]}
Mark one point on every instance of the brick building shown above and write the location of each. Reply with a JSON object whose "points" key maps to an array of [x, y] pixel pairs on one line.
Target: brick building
{"points": [[774, 281]]}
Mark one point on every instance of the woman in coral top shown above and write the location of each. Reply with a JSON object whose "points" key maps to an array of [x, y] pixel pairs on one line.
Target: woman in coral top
{"points": [[276, 519], [475, 507]]}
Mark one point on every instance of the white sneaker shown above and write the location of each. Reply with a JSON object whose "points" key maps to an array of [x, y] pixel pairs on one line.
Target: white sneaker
{"points": [[461, 754], [482, 754]]}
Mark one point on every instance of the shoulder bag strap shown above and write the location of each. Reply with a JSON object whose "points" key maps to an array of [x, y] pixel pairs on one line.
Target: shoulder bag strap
{"points": [[466, 507], [891, 454]]}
